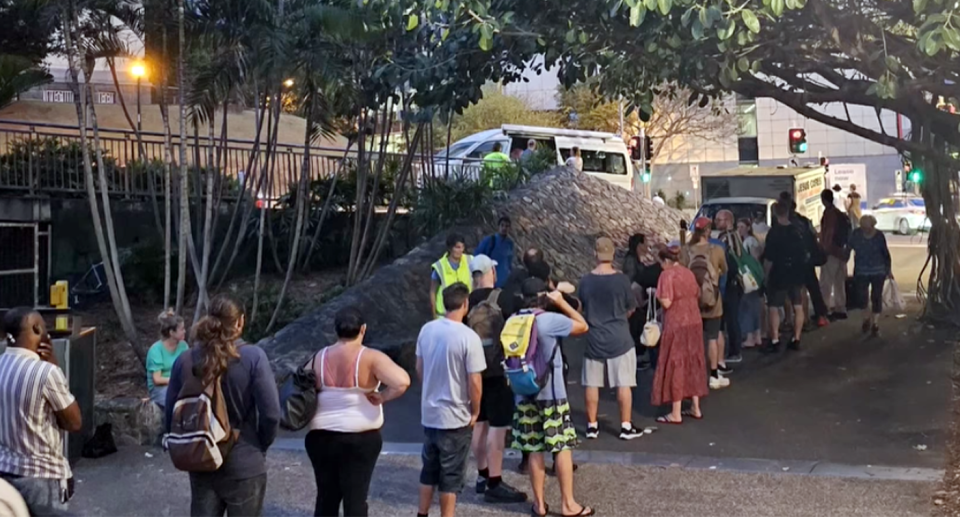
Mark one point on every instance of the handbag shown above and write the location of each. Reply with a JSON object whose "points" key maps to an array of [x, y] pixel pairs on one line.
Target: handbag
{"points": [[750, 271], [892, 297], [298, 397], [650, 336]]}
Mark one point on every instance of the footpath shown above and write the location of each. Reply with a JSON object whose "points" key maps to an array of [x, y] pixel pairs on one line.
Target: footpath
{"points": [[849, 426]]}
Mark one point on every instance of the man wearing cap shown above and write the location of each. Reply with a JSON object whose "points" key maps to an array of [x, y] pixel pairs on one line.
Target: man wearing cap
{"points": [[610, 359], [489, 309], [499, 247]]}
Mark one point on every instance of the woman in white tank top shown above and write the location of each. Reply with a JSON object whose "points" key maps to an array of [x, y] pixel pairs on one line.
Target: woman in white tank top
{"points": [[344, 440]]}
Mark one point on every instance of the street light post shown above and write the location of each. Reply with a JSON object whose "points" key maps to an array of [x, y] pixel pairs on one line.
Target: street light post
{"points": [[138, 71]]}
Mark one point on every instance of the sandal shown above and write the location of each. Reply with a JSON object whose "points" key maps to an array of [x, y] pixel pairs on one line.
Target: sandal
{"points": [[535, 513], [689, 413], [665, 419], [585, 511]]}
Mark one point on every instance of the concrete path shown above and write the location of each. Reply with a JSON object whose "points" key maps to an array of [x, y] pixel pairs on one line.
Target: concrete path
{"points": [[843, 399], [131, 484]]}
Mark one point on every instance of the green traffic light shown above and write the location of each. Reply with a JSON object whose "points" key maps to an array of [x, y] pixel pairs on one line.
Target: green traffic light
{"points": [[802, 147], [646, 177], [915, 176]]}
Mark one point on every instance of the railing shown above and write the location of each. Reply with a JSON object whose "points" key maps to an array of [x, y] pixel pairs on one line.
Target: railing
{"points": [[47, 158]]}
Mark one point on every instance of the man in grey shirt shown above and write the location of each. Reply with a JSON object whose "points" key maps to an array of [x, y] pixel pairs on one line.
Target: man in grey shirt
{"points": [[610, 359], [450, 361]]}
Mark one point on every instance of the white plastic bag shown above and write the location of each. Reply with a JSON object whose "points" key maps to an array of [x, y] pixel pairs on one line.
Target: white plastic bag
{"points": [[892, 298], [749, 282], [650, 335]]}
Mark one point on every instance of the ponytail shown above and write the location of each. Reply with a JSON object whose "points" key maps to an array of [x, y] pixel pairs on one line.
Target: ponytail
{"points": [[216, 335]]}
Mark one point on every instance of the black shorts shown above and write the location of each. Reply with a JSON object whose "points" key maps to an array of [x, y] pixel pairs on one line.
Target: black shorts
{"points": [[711, 328], [778, 296], [444, 458], [496, 404]]}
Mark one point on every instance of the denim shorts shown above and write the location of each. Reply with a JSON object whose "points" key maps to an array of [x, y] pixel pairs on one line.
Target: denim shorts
{"points": [[43, 496], [445, 453]]}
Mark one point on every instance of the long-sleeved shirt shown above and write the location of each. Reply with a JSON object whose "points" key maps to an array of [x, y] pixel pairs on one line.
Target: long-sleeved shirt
{"points": [[828, 229], [500, 249], [250, 392]]}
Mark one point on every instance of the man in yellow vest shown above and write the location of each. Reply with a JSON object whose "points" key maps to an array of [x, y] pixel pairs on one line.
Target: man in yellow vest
{"points": [[453, 267]]}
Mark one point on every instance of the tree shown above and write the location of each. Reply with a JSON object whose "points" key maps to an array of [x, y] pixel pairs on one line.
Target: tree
{"points": [[17, 75], [492, 111], [895, 55], [674, 121]]}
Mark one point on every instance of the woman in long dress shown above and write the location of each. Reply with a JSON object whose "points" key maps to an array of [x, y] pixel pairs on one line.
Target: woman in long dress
{"points": [[681, 369]]}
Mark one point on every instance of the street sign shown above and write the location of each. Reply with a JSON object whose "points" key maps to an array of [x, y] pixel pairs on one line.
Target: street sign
{"points": [[695, 176], [898, 180], [846, 174]]}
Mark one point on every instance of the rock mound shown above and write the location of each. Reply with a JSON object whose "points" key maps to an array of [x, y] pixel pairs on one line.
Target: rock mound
{"points": [[561, 212]]}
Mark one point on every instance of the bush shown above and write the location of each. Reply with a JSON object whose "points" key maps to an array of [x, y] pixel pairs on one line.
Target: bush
{"points": [[444, 203]]}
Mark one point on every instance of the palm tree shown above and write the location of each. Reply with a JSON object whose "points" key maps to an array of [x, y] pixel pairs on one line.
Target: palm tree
{"points": [[17, 75]]}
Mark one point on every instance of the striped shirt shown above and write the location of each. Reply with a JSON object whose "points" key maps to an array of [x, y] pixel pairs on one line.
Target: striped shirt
{"points": [[31, 391]]}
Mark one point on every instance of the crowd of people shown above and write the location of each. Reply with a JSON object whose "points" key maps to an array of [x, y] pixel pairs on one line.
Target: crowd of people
{"points": [[686, 309]]}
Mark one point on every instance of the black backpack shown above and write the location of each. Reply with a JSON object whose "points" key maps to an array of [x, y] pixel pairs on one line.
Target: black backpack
{"points": [[841, 237]]}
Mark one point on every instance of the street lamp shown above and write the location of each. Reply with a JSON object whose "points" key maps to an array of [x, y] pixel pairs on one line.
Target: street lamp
{"points": [[138, 70], [288, 83]]}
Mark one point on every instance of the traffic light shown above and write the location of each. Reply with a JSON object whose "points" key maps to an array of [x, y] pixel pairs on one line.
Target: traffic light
{"points": [[645, 177], [648, 148], [635, 147], [798, 141], [915, 176]]}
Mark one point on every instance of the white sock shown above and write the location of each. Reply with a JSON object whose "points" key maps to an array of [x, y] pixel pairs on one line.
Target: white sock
{"points": [[593, 425], [626, 425]]}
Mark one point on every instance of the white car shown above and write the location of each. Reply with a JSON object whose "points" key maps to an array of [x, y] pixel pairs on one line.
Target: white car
{"points": [[905, 215]]}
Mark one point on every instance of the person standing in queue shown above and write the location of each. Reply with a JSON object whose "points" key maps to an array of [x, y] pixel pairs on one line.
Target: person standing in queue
{"points": [[449, 270], [708, 262], [36, 408], [489, 309], [450, 364], [499, 247], [734, 289], [249, 390], [344, 441]]}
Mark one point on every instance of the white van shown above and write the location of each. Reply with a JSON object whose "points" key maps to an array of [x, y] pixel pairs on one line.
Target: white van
{"points": [[604, 155]]}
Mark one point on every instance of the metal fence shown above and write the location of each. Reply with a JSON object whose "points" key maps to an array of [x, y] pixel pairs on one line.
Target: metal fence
{"points": [[47, 158]]}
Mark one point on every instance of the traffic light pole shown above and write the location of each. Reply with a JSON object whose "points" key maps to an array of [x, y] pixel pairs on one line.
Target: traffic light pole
{"points": [[643, 163]]}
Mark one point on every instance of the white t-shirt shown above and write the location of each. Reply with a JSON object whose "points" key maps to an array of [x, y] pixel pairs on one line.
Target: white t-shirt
{"points": [[576, 163], [450, 352]]}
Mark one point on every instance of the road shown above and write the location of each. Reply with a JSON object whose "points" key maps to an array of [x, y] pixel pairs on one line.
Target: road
{"points": [[909, 253]]}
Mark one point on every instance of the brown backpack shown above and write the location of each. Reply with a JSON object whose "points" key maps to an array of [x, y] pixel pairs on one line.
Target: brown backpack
{"points": [[707, 276], [200, 437]]}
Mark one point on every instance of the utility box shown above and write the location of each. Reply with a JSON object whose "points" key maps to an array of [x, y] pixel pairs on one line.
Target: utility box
{"points": [[24, 251]]}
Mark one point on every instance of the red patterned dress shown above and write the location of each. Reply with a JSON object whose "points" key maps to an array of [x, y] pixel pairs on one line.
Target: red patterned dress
{"points": [[681, 369]]}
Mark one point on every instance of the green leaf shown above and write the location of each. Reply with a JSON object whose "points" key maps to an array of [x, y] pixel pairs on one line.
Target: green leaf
{"points": [[674, 41], [444, 34], [542, 42], [651, 5], [743, 64], [931, 46], [951, 37], [872, 90], [486, 31], [412, 21], [696, 29], [583, 38], [632, 3], [486, 44], [636, 16], [751, 21], [665, 6], [777, 7], [571, 36], [705, 19], [724, 33], [755, 67], [685, 19], [919, 6], [791, 4], [892, 64]]}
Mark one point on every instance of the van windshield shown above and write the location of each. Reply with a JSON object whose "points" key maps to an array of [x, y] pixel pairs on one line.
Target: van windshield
{"points": [[600, 161], [456, 149]]}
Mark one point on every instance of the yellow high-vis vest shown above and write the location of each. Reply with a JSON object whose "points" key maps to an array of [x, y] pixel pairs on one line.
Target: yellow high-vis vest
{"points": [[449, 276]]}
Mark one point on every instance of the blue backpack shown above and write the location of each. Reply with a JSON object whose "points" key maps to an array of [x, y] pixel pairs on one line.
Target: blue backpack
{"points": [[523, 364]]}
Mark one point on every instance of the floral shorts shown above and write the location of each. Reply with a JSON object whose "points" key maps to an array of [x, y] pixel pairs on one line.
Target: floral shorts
{"points": [[543, 426]]}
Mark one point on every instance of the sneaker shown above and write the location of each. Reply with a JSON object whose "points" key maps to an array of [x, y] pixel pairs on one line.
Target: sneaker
{"points": [[771, 347], [504, 493], [735, 359], [794, 344], [481, 484], [629, 433], [822, 322], [717, 383], [593, 431]]}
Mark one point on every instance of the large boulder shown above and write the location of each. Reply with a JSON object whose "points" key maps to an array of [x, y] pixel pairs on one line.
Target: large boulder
{"points": [[561, 212]]}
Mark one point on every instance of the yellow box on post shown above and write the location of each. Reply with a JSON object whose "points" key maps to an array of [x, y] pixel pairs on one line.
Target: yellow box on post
{"points": [[60, 299]]}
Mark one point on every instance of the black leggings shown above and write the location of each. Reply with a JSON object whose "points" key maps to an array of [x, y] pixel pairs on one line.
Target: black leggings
{"points": [[343, 465], [873, 284]]}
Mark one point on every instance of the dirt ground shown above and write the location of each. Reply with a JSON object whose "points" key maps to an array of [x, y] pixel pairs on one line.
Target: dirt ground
{"points": [[120, 373]]}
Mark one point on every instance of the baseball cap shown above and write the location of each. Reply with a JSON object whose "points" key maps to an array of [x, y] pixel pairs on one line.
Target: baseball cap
{"points": [[605, 249], [702, 223], [533, 286], [674, 244], [482, 264]]}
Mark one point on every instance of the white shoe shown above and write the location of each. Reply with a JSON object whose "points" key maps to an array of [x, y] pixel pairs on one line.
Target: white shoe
{"points": [[717, 383]]}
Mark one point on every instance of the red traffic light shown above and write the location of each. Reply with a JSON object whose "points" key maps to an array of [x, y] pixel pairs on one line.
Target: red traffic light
{"points": [[796, 134], [798, 141]]}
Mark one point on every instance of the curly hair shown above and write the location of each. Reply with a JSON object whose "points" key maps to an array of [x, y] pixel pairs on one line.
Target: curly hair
{"points": [[216, 335]]}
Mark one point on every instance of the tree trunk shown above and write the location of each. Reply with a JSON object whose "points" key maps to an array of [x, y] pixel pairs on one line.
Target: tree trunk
{"points": [[268, 161], [362, 164], [202, 296], [387, 122], [184, 179], [114, 283], [327, 203], [167, 175], [301, 209]]}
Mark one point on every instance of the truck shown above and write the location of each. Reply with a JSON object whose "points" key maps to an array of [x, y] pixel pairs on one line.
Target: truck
{"points": [[750, 192]]}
